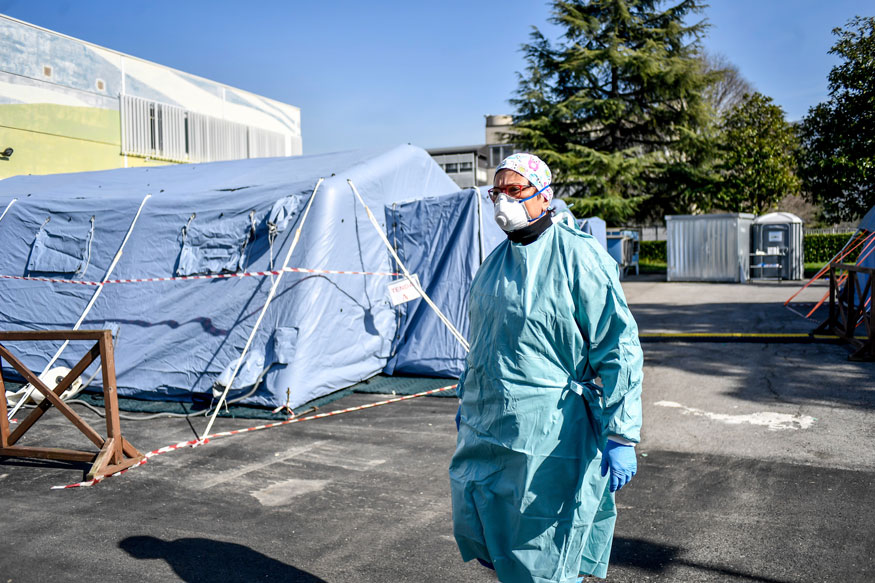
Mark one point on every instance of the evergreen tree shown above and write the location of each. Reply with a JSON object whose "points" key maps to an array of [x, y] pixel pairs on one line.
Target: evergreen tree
{"points": [[757, 156], [616, 106], [837, 160]]}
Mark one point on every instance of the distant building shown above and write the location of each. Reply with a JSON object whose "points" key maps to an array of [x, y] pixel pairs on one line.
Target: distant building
{"points": [[67, 105], [475, 165], [466, 165]]}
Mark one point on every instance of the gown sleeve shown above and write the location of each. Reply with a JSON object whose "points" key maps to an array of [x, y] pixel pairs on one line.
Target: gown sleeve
{"points": [[615, 352]]}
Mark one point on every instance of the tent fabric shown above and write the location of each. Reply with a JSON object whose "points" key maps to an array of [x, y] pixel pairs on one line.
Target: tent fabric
{"points": [[62, 248], [868, 222], [597, 228], [321, 333], [867, 227], [436, 238]]}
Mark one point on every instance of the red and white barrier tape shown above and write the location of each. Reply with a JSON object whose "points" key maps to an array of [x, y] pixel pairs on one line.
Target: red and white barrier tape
{"points": [[205, 440], [191, 277]]}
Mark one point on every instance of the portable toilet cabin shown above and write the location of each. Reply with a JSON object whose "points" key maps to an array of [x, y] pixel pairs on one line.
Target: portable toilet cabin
{"points": [[776, 247], [713, 247]]}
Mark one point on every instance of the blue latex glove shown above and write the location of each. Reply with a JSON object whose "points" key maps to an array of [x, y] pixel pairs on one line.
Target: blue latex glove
{"points": [[622, 462], [458, 417]]}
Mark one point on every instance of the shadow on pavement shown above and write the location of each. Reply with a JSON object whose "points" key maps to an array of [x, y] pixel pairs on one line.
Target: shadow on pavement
{"points": [[722, 317], [655, 558], [202, 560], [766, 371], [41, 463], [772, 372]]}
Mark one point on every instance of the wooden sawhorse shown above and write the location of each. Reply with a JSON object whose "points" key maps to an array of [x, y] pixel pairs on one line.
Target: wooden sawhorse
{"points": [[852, 306], [115, 453]]}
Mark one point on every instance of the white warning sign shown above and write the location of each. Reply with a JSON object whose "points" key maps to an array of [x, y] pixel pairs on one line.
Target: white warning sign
{"points": [[403, 290]]}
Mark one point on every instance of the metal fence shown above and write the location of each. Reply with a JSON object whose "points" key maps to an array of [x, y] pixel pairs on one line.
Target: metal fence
{"points": [[831, 231], [657, 233], [168, 132]]}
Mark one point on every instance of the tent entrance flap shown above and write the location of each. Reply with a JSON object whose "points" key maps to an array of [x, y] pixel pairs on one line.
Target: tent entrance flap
{"points": [[437, 238]]}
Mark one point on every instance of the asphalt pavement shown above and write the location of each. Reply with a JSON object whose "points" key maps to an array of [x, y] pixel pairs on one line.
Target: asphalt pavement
{"points": [[755, 465]]}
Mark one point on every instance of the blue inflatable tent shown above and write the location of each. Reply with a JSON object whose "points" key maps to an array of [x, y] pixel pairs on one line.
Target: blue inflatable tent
{"points": [[322, 332]]}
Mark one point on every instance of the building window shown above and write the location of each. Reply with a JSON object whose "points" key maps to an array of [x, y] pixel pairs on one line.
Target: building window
{"points": [[168, 132], [500, 152], [466, 166], [451, 168]]}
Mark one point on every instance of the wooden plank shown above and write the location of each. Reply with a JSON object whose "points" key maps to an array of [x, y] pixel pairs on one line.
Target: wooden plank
{"points": [[125, 464], [50, 453], [116, 453], [4, 415], [110, 397], [129, 450], [54, 399], [51, 335], [102, 460], [44, 406]]}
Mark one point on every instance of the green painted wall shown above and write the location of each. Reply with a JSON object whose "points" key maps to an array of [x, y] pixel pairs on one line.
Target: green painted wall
{"points": [[52, 139]]}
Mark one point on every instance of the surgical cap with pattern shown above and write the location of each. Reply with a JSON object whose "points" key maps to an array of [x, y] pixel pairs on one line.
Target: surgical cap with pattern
{"points": [[532, 169]]}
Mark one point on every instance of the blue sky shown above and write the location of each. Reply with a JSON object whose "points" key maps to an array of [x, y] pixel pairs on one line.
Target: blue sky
{"points": [[383, 73]]}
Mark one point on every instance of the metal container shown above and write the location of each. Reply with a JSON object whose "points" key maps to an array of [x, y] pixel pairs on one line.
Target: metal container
{"points": [[708, 247], [624, 247], [776, 247]]}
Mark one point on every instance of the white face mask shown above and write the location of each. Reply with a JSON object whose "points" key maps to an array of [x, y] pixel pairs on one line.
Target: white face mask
{"points": [[511, 214]]}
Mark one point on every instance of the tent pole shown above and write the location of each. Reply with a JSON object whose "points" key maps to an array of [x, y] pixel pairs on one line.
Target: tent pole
{"points": [[91, 302], [480, 220], [270, 296], [11, 202], [412, 281]]}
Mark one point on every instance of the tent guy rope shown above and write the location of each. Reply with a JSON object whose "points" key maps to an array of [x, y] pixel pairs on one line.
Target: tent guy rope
{"points": [[270, 296], [410, 278]]}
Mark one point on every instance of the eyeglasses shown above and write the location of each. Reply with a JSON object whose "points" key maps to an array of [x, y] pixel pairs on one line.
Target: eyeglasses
{"points": [[513, 191]]}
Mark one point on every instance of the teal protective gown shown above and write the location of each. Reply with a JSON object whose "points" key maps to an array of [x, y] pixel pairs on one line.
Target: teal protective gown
{"points": [[547, 320]]}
